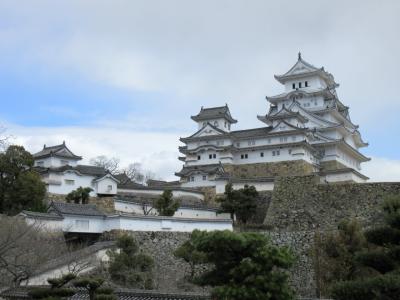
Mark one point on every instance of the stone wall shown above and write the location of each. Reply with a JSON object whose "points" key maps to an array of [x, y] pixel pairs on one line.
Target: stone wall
{"points": [[285, 168], [332, 165], [104, 204], [301, 203], [169, 271]]}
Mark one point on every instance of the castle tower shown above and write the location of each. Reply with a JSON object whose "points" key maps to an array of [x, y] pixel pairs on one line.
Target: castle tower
{"points": [[307, 130]]}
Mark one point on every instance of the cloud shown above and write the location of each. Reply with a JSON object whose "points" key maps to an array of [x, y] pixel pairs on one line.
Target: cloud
{"points": [[382, 169], [212, 52], [157, 152]]}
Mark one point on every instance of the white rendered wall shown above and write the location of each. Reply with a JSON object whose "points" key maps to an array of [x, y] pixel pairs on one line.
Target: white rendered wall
{"points": [[176, 193], [62, 187], [45, 224], [140, 223], [182, 212], [339, 177], [102, 186], [55, 162], [87, 264], [260, 186]]}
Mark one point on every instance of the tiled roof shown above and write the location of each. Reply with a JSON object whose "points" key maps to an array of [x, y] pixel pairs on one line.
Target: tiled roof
{"points": [[214, 113], [40, 215], [207, 169], [57, 150], [124, 294], [161, 183], [83, 169], [188, 202], [75, 209]]}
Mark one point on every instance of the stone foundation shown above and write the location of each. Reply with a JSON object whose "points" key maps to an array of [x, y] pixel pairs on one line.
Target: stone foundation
{"points": [[332, 165], [104, 204], [271, 169]]}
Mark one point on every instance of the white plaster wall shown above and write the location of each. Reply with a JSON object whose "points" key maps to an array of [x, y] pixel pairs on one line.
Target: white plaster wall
{"points": [[260, 186], [221, 124], [183, 212], [95, 224], [87, 264], [176, 193], [142, 223], [55, 162], [45, 224], [180, 225], [63, 188], [348, 176], [314, 82], [102, 186]]}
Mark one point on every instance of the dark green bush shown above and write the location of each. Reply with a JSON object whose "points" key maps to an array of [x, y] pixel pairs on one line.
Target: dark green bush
{"points": [[376, 259], [383, 287]]}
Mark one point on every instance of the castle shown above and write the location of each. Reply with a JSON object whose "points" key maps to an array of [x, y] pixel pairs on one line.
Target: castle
{"points": [[307, 130]]}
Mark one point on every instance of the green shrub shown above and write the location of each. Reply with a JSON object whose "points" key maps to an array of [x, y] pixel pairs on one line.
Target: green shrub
{"points": [[383, 287]]}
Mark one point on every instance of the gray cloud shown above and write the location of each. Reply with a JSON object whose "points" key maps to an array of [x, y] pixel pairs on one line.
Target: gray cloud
{"points": [[212, 52]]}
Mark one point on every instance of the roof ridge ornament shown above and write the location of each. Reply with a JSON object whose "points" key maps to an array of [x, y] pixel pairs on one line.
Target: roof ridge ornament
{"points": [[299, 55]]}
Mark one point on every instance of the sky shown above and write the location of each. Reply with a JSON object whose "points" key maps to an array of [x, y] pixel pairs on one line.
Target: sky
{"points": [[122, 78]]}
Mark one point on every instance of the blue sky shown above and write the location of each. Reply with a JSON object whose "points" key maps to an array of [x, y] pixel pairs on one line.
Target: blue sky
{"points": [[122, 78]]}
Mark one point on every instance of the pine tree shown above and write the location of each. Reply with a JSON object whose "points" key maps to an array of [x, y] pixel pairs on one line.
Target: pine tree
{"points": [[166, 205], [381, 259]]}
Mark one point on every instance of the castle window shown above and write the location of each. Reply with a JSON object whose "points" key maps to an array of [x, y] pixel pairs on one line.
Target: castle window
{"points": [[278, 152], [293, 85], [198, 157], [64, 162], [204, 177], [225, 124], [210, 156], [237, 144], [306, 83], [262, 154], [244, 156], [299, 84], [229, 126], [269, 141], [273, 153], [69, 181], [82, 224], [192, 178], [251, 143], [214, 155]]}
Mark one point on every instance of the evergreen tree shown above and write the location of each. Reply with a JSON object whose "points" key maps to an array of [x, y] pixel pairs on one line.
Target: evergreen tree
{"points": [[381, 259], [20, 185], [130, 267], [241, 203], [166, 205], [245, 266], [80, 195], [57, 288], [188, 252], [93, 285]]}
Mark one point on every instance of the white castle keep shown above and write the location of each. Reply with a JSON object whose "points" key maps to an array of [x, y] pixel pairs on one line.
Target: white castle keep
{"points": [[307, 130]]}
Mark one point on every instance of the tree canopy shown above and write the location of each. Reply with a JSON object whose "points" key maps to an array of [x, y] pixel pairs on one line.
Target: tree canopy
{"points": [[372, 261], [241, 203], [130, 267], [80, 195], [166, 205], [245, 266], [20, 185]]}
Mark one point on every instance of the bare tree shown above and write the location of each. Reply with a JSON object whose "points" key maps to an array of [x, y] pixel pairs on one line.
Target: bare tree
{"points": [[110, 164], [147, 208], [23, 248], [3, 138], [134, 172]]}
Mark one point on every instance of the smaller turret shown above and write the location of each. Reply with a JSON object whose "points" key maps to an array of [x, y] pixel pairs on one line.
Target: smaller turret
{"points": [[219, 117]]}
